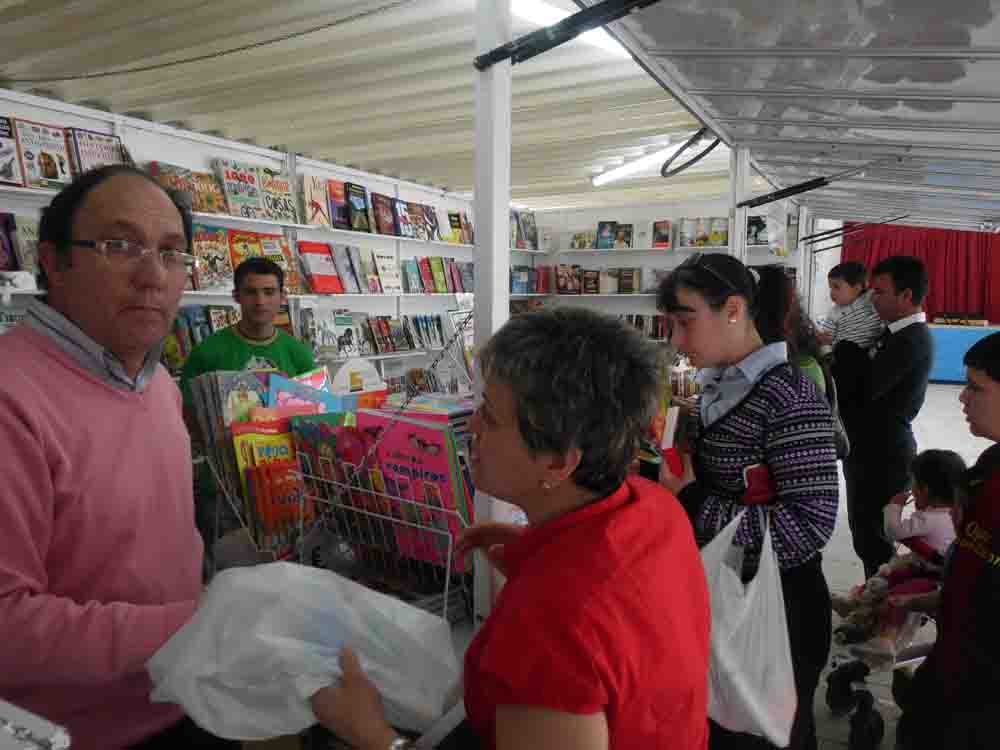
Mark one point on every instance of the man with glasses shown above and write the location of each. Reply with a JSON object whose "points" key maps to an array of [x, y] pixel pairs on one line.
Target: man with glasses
{"points": [[100, 562]]}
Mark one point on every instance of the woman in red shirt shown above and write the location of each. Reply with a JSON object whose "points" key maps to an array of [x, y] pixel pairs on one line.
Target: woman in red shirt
{"points": [[600, 637]]}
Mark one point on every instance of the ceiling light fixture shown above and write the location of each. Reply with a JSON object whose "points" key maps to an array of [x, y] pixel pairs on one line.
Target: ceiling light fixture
{"points": [[542, 14], [648, 162]]}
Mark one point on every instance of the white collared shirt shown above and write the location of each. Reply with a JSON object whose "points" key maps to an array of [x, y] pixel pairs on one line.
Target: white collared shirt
{"points": [[722, 388], [899, 325]]}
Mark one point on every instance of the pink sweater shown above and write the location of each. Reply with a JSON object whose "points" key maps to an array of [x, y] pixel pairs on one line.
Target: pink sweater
{"points": [[100, 561]]}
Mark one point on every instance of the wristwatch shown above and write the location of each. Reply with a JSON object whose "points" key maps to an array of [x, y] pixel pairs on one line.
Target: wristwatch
{"points": [[401, 743]]}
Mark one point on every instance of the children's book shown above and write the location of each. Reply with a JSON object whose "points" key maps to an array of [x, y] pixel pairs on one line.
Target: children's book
{"points": [[360, 269], [90, 150], [44, 155], [214, 271], [208, 195], [26, 243], [388, 272], [239, 392], [433, 225], [411, 275], [276, 249], [243, 245], [418, 219], [357, 202], [342, 260], [10, 165], [382, 208], [663, 234], [276, 194], [340, 213], [623, 236], [528, 232], [287, 392], [440, 281], [172, 177], [241, 185], [315, 201], [374, 283], [320, 268], [401, 215]]}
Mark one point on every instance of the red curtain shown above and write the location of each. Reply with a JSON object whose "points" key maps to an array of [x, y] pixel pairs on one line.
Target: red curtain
{"points": [[963, 267]]}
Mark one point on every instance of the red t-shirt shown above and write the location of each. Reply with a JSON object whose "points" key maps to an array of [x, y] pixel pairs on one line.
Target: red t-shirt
{"points": [[606, 609]]}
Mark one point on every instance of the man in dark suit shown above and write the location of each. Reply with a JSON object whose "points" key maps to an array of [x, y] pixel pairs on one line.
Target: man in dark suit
{"points": [[882, 401]]}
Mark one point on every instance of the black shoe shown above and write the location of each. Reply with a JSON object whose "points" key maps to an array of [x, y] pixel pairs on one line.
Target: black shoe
{"points": [[867, 724], [840, 693]]}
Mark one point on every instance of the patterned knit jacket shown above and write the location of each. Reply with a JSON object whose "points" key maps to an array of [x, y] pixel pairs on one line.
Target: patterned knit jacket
{"points": [[786, 424]]}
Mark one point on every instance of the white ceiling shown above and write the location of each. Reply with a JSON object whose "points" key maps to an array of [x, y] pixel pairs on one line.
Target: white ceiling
{"points": [[816, 87], [389, 92]]}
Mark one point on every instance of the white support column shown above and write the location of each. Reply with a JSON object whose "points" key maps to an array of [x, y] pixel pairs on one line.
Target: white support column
{"points": [[739, 175], [805, 270], [492, 216]]}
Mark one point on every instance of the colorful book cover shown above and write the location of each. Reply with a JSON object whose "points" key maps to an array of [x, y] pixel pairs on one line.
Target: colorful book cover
{"points": [[89, 150], [26, 243], [315, 439], [606, 235], [455, 224], [276, 193], [340, 212], [214, 270], [449, 280], [8, 258], [443, 224], [43, 153], [208, 196], [172, 177], [239, 392], [629, 280], [663, 234], [218, 317], [256, 444], [420, 229], [433, 225], [426, 275], [276, 249], [315, 201], [440, 281], [241, 185], [10, 165], [385, 221], [456, 277], [287, 392], [583, 241], [320, 268], [388, 272], [401, 214], [515, 230], [468, 233], [418, 461], [243, 245], [374, 283], [318, 378], [363, 338], [591, 281], [623, 236], [357, 203], [468, 271], [342, 261], [411, 272]]}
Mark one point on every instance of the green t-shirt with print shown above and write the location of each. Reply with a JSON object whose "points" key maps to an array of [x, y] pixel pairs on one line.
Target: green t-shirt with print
{"points": [[228, 350]]}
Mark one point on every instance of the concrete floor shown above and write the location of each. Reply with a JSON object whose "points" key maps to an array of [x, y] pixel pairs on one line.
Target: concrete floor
{"points": [[940, 425]]}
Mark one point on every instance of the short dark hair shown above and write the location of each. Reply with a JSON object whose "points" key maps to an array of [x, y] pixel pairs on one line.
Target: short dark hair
{"points": [[906, 272], [56, 225], [715, 276], [985, 355], [260, 266], [582, 380], [853, 272], [942, 473]]}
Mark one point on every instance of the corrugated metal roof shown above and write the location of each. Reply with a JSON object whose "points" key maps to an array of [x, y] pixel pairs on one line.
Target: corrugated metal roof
{"points": [[389, 91]]}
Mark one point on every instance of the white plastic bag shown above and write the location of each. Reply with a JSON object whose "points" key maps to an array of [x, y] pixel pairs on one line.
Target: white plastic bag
{"points": [[266, 638], [751, 680]]}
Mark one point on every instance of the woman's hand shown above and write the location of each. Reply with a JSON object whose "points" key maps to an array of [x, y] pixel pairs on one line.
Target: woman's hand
{"points": [[674, 482], [352, 709], [491, 538]]}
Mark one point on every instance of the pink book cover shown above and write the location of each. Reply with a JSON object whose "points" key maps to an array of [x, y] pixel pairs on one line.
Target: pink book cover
{"points": [[414, 461]]}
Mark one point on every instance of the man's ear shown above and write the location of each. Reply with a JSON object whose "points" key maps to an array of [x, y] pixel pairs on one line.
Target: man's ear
{"points": [[907, 296], [735, 307], [53, 263]]}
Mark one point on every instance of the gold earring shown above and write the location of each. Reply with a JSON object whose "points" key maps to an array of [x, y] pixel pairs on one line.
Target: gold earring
{"points": [[546, 485]]}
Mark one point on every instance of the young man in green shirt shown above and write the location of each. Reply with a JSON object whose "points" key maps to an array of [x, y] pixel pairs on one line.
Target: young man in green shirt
{"points": [[254, 343]]}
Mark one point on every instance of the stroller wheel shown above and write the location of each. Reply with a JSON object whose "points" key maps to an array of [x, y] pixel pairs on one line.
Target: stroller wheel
{"points": [[867, 724], [840, 694]]}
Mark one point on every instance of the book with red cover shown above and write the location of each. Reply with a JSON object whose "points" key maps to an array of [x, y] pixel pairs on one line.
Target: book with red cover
{"points": [[320, 268], [340, 215]]}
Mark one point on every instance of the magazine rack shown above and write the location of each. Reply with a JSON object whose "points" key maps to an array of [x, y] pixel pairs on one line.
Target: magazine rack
{"points": [[398, 545]]}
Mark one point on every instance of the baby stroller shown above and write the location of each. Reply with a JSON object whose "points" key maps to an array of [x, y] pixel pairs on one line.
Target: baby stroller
{"points": [[852, 664]]}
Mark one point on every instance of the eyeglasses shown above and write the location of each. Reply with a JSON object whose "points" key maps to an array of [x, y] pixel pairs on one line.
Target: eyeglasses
{"points": [[127, 253], [697, 261]]}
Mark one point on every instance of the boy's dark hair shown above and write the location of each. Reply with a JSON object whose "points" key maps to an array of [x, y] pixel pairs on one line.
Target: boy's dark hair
{"points": [[56, 225], [261, 267], [942, 473], [906, 272], [714, 276], [853, 272], [985, 355]]}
